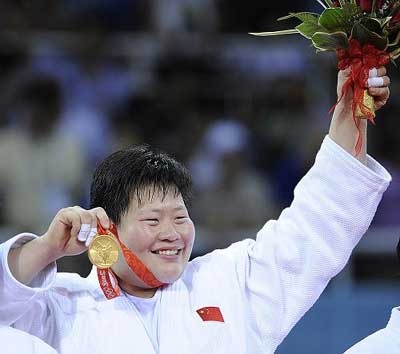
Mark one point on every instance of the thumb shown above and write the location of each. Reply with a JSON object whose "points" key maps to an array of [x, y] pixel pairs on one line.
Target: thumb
{"points": [[343, 76]]}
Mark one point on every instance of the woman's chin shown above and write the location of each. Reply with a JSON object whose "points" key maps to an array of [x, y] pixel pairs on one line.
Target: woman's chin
{"points": [[168, 278]]}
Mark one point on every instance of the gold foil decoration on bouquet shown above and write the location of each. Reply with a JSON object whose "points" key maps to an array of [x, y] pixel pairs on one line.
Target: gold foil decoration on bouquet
{"points": [[369, 104]]}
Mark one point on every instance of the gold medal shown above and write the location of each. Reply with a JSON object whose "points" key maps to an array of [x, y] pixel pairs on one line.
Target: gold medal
{"points": [[103, 251]]}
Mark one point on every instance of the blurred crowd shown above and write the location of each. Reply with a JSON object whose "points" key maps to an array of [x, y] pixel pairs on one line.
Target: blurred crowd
{"points": [[144, 15], [246, 115]]}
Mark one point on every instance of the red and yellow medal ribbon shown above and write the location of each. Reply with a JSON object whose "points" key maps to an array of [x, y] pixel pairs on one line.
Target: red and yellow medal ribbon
{"points": [[107, 279]]}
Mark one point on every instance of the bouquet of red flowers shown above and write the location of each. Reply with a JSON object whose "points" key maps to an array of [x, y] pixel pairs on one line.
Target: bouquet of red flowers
{"points": [[364, 33]]}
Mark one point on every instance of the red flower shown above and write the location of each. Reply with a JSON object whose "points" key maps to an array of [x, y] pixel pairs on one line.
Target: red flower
{"points": [[366, 5], [336, 3]]}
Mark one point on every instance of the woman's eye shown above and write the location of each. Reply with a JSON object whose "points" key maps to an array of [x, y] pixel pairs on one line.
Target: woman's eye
{"points": [[181, 218], [152, 220]]}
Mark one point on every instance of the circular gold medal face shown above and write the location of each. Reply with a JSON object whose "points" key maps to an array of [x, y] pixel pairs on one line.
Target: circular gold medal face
{"points": [[103, 251]]}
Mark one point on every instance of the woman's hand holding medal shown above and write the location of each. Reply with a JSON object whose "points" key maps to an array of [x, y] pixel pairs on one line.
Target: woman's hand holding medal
{"points": [[70, 233], [72, 230]]}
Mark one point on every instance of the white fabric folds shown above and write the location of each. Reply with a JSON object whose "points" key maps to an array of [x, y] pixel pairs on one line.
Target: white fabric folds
{"points": [[261, 287]]}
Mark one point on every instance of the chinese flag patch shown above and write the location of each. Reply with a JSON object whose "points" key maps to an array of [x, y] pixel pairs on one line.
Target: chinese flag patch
{"points": [[210, 314]]}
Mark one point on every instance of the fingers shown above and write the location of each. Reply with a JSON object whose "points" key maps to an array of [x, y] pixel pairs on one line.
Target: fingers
{"points": [[378, 86], [93, 230], [378, 77], [84, 222], [71, 218], [102, 216], [83, 232], [379, 92], [374, 72], [378, 81], [87, 223]]}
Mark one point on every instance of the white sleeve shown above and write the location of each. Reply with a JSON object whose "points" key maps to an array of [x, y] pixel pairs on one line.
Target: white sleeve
{"points": [[293, 258], [19, 342], [383, 341], [16, 299]]}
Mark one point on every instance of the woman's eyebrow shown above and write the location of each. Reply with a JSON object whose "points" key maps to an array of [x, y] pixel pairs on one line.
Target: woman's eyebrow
{"points": [[158, 210]]}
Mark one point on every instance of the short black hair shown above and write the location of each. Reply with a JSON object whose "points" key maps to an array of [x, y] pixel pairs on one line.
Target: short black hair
{"points": [[128, 173]]}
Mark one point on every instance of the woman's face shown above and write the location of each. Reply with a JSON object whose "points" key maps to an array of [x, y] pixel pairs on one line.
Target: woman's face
{"points": [[160, 233]]}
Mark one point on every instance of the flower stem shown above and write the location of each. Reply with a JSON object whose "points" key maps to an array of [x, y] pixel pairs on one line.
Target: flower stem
{"points": [[322, 4], [373, 12]]}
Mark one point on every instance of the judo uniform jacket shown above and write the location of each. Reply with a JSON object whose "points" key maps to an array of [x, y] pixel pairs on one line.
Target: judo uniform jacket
{"points": [[15, 341], [261, 287]]}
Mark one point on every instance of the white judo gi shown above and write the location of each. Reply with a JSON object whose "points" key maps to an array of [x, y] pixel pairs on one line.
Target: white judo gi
{"points": [[14, 341], [262, 288], [384, 341]]}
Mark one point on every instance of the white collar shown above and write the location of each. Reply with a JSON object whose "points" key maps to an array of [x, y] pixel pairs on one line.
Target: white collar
{"points": [[92, 277]]}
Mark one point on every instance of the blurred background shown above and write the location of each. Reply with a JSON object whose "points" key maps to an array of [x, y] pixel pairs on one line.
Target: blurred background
{"points": [[80, 79]]}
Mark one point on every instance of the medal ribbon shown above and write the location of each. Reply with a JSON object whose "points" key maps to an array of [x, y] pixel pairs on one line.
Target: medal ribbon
{"points": [[107, 279], [360, 59]]}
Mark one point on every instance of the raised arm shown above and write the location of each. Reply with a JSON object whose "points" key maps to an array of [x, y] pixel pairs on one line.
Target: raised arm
{"points": [[285, 270], [332, 208]]}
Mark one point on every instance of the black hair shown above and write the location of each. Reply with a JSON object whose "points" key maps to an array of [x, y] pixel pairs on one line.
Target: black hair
{"points": [[129, 173]]}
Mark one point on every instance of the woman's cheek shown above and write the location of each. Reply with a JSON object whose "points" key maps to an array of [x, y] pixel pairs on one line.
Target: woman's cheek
{"points": [[141, 239], [189, 232]]}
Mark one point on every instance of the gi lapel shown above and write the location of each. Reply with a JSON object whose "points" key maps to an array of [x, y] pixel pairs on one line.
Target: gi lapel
{"points": [[119, 320]]}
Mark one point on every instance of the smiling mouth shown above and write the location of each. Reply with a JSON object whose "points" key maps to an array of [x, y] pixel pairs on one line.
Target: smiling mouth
{"points": [[167, 252]]}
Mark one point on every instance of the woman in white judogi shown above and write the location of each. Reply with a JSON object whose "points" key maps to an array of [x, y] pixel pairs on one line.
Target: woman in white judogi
{"points": [[386, 340], [244, 299]]}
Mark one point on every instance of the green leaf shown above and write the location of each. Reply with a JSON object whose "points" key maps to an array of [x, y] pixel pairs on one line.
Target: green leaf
{"points": [[330, 41], [333, 20], [351, 10], [365, 36], [275, 33], [384, 21], [302, 16], [308, 29], [373, 25]]}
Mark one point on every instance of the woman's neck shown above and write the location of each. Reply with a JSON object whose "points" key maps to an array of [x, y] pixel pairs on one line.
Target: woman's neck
{"points": [[137, 290]]}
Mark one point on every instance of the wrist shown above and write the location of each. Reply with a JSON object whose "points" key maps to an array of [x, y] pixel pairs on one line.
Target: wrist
{"points": [[47, 249], [27, 261]]}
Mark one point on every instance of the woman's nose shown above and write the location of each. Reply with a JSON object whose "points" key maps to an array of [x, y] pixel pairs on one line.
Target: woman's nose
{"points": [[169, 233]]}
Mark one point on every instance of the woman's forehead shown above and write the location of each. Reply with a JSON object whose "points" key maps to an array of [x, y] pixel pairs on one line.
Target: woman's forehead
{"points": [[153, 198]]}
